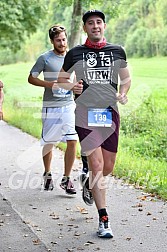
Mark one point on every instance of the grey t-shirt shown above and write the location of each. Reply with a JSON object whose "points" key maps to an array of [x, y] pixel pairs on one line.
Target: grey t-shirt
{"points": [[50, 64]]}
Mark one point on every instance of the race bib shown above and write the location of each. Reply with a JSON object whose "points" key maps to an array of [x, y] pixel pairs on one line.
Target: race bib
{"points": [[61, 92], [99, 117]]}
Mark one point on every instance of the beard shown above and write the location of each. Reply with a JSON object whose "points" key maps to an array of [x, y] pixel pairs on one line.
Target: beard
{"points": [[60, 50]]}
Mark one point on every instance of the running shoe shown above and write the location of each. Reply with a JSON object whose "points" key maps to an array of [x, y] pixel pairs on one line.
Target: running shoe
{"points": [[85, 170], [68, 186], [87, 194], [104, 230], [82, 178], [48, 181]]}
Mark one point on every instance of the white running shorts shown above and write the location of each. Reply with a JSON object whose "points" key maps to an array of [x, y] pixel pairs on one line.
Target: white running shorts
{"points": [[58, 124]]}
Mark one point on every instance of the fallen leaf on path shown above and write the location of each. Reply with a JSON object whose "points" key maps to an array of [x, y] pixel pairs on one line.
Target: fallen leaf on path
{"points": [[77, 234], [88, 243], [140, 209], [36, 242], [39, 229], [138, 205], [25, 235], [54, 216], [143, 197], [53, 242], [82, 210], [60, 224], [34, 225]]}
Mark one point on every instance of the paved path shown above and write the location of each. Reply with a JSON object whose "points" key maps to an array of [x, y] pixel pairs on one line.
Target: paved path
{"points": [[34, 220]]}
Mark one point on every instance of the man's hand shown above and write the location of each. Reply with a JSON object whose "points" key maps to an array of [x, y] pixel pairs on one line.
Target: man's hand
{"points": [[78, 87], [55, 86], [122, 98]]}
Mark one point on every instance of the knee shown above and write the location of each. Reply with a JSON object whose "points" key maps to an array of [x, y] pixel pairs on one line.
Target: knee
{"points": [[47, 148], [96, 167], [108, 168]]}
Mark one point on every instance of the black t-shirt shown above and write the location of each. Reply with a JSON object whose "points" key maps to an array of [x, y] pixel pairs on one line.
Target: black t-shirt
{"points": [[98, 68]]}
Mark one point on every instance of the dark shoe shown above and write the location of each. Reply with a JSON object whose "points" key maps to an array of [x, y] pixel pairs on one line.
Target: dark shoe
{"points": [[48, 181], [87, 194], [68, 186], [82, 178], [85, 170]]}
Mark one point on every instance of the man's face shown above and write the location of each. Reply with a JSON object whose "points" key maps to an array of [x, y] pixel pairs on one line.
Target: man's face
{"points": [[60, 43], [94, 27]]}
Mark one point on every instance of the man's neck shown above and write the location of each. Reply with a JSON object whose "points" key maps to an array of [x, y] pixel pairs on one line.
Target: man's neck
{"points": [[96, 45], [58, 53]]}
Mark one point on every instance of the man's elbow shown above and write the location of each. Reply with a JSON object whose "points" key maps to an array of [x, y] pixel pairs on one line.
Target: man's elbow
{"points": [[126, 81], [30, 79]]}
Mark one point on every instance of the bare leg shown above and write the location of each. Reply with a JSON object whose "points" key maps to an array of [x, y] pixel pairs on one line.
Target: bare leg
{"points": [[69, 156], [101, 163], [96, 163], [109, 161], [47, 156]]}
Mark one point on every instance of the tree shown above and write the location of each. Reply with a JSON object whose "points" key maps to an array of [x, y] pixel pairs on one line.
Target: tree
{"points": [[17, 19], [76, 23], [79, 7], [75, 9]]}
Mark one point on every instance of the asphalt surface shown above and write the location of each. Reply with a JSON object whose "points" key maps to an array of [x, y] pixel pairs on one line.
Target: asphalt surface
{"points": [[34, 220]]}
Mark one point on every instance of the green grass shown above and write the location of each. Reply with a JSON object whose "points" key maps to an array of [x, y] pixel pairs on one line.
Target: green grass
{"points": [[142, 151]]}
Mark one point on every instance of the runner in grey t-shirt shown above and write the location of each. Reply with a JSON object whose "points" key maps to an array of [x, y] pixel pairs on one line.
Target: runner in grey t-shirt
{"points": [[58, 116], [50, 64]]}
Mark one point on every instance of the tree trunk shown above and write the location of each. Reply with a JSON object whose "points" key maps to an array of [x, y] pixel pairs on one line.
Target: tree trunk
{"points": [[76, 22]]}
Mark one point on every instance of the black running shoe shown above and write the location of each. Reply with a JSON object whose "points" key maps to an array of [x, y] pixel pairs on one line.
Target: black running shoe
{"points": [[85, 170], [82, 178], [87, 194], [48, 181], [68, 186]]}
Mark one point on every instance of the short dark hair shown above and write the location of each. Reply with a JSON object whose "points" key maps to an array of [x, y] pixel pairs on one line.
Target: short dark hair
{"points": [[55, 30], [89, 13]]}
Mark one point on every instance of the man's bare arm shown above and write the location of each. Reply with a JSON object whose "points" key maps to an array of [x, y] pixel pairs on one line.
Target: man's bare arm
{"points": [[41, 83], [125, 83], [65, 81]]}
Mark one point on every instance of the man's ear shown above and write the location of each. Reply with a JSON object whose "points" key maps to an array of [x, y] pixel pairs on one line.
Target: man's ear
{"points": [[84, 28]]}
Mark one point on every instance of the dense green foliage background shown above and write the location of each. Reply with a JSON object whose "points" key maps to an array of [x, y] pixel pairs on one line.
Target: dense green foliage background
{"points": [[139, 25]]}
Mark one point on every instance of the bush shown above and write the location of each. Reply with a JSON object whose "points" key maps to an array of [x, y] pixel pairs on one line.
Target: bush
{"points": [[145, 127]]}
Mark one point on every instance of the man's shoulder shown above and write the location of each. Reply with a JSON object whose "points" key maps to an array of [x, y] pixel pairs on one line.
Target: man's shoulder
{"points": [[76, 48], [46, 53], [114, 46]]}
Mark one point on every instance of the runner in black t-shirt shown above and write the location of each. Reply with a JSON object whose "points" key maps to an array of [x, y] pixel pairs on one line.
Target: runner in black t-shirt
{"points": [[98, 66]]}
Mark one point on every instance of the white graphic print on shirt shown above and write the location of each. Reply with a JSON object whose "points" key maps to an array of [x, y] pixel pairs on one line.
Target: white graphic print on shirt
{"points": [[98, 67]]}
